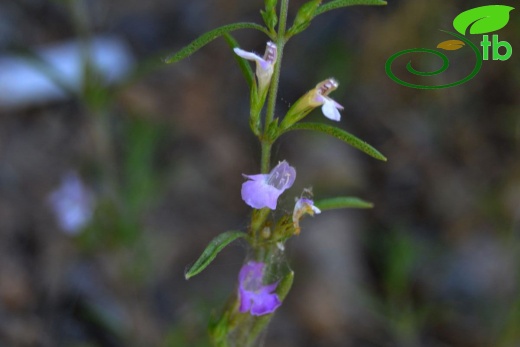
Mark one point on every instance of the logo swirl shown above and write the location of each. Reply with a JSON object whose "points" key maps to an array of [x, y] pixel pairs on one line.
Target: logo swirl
{"points": [[444, 67]]}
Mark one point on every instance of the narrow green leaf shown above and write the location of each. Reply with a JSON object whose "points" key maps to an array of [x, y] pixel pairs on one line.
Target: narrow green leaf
{"points": [[243, 64], [210, 36], [341, 135], [344, 3], [483, 19], [211, 251], [342, 202]]}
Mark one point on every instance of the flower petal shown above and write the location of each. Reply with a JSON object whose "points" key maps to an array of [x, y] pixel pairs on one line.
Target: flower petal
{"points": [[263, 190], [303, 206], [264, 304], [246, 300], [282, 176], [254, 297], [330, 109], [258, 194], [248, 55]]}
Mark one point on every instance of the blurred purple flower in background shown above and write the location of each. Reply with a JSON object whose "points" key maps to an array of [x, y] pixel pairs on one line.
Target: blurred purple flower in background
{"points": [[255, 297], [263, 190], [72, 203]]}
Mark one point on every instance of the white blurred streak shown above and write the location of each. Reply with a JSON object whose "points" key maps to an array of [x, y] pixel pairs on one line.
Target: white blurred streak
{"points": [[24, 83]]}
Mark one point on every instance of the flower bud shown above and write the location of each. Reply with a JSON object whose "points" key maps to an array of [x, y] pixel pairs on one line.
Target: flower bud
{"points": [[303, 17]]}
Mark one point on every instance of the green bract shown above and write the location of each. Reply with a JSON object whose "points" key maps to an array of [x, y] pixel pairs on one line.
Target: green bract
{"points": [[304, 17], [269, 15]]}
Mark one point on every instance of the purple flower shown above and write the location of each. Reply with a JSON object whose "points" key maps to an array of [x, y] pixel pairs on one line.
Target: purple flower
{"points": [[72, 203], [263, 190], [303, 206], [255, 297]]}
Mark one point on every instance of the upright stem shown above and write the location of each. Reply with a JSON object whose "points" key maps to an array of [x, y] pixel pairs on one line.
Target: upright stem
{"points": [[273, 90], [266, 156], [235, 329]]}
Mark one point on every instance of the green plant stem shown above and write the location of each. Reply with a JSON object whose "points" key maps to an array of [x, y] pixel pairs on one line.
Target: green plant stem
{"points": [[244, 329], [273, 90], [266, 156]]}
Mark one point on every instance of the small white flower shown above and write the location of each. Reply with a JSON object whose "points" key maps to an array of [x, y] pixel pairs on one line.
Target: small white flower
{"points": [[73, 204], [319, 96], [264, 65], [303, 206]]}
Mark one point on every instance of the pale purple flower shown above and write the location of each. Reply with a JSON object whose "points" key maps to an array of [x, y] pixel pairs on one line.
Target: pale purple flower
{"points": [[263, 190], [264, 65], [319, 96], [72, 203], [303, 206], [255, 297]]}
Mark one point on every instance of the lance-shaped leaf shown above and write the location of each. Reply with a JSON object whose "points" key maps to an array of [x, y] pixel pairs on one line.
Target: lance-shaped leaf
{"points": [[342, 202], [211, 251], [341, 135], [210, 36], [344, 3], [243, 64], [483, 19]]}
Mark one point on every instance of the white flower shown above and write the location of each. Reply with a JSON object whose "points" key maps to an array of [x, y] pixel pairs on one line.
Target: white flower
{"points": [[264, 65], [303, 206], [319, 96]]}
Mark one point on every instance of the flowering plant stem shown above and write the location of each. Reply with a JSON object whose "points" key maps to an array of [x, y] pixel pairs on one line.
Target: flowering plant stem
{"points": [[273, 90], [265, 278], [242, 329]]}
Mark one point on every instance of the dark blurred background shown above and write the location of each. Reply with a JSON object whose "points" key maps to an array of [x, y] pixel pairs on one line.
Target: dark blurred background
{"points": [[434, 263]]}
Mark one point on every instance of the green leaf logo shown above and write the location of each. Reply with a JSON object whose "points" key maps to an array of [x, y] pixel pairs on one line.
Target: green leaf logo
{"points": [[483, 19]]}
